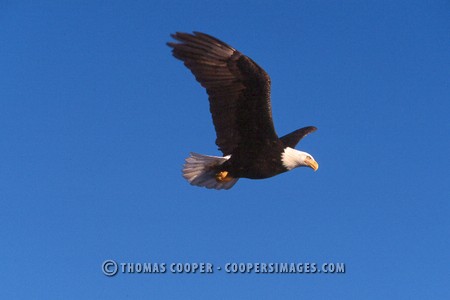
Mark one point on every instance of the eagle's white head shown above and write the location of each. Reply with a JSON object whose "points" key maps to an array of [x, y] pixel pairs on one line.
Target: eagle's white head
{"points": [[292, 158]]}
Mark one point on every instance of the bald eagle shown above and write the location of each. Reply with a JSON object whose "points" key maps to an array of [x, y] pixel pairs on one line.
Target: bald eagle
{"points": [[239, 99]]}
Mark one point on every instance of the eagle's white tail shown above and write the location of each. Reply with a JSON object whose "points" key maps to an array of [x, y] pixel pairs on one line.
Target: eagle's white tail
{"points": [[199, 170]]}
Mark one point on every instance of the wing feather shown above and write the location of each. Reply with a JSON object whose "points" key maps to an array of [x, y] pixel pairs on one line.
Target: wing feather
{"points": [[292, 139], [238, 89]]}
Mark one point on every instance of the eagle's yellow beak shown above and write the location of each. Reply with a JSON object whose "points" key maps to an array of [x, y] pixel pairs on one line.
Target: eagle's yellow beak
{"points": [[312, 163]]}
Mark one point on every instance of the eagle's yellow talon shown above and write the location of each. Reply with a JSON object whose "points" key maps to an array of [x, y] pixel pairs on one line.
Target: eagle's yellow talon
{"points": [[223, 177]]}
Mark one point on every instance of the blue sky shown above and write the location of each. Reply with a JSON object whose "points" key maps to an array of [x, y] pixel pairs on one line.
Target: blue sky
{"points": [[96, 118]]}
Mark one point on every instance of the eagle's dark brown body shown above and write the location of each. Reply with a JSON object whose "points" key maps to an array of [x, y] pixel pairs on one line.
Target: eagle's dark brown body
{"points": [[264, 163]]}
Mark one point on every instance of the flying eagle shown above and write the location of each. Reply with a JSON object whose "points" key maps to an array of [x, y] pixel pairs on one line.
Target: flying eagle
{"points": [[239, 99]]}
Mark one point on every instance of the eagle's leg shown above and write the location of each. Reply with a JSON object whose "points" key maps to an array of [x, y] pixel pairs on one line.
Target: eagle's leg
{"points": [[223, 177]]}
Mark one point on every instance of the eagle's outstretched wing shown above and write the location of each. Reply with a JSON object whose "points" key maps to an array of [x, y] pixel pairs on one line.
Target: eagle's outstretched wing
{"points": [[292, 139], [238, 89]]}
